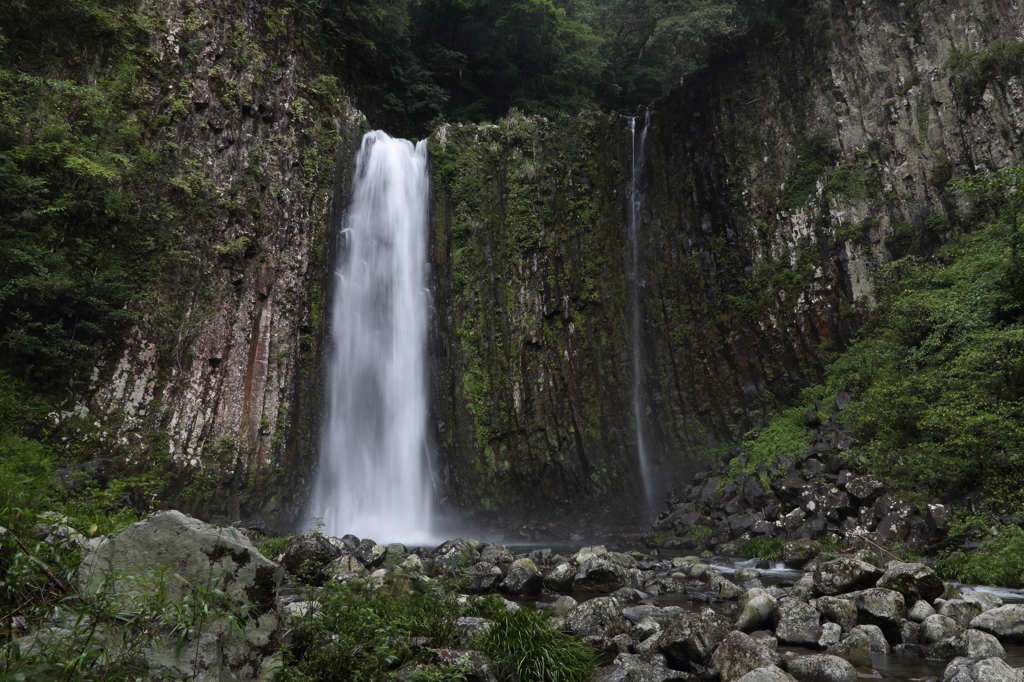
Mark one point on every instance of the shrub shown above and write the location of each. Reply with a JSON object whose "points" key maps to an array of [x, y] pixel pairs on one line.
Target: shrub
{"points": [[769, 549], [524, 647], [998, 561]]}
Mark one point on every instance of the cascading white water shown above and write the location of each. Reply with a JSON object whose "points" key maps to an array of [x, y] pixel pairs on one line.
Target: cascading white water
{"points": [[635, 330], [374, 477]]}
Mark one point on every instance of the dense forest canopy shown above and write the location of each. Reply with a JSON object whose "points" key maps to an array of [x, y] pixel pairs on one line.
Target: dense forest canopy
{"points": [[413, 63]]}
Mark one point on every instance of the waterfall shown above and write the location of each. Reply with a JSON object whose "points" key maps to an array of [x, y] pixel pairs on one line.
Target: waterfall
{"points": [[635, 283], [374, 476]]}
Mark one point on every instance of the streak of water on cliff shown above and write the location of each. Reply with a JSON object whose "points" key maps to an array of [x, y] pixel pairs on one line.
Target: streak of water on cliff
{"points": [[634, 282], [374, 478]]}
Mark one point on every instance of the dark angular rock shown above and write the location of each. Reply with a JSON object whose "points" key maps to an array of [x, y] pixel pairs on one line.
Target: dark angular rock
{"points": [[692, 638], [840, 576], [913, 580], [866, 489]]}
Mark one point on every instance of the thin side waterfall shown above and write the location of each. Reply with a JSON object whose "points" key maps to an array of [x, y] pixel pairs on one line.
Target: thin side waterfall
{"points": [[635, 284], [374, 479]]}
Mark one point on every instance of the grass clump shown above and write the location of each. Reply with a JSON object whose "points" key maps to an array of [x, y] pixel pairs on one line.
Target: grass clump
{"points": [[769, 549], [524, 647], [998, 561]]}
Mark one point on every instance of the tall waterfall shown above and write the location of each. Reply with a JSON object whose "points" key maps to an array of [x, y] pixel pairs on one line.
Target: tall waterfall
{"points": [[635, 283], [374, 476]]}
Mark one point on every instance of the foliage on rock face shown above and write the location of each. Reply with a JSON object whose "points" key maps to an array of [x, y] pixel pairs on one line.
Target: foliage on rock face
{"points": [[937, 373]]}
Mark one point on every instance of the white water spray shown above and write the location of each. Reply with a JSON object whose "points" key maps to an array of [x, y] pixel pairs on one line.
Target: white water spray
{"points": [[635, 331], [374, 477]]}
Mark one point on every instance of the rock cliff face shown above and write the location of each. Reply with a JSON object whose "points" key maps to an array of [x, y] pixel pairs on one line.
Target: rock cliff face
{"points": [[774, 187], [263, 138]]}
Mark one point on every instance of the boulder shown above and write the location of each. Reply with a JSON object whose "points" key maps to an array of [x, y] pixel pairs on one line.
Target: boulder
{"points": [[371, 554], [937, 627], [830, 635], [920, 610], [983, 670], [560, 578], [876, 640], [171, 552], [496, 554], [856, 649], [647, 668], [737, 654], [1005, 622], [866, 489], [756, 610], [840, 576], [881, 607], [725, 589], [970, 644], [308, 555], [603, 574], [798, 622], [843, 612], [963, 612], [803, 588], [344, 566], [822, 668], [913, 580], [692, 638], [769, 674], [798, 553], [455, 555], [522, 578], [601, 616]]}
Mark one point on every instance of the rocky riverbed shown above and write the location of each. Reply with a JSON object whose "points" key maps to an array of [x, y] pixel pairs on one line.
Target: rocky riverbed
{"points": [[830, 617]]}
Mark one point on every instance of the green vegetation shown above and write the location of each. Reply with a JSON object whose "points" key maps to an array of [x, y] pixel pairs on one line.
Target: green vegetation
{"points": [[524, 647], [769, 549], [998, 561], [413, 63], [973, 71], [366, 633]]}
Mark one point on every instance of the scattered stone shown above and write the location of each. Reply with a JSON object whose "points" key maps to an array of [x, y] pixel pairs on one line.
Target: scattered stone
{"points": [[914, 581], [692, 638], [970, 643], [838, 610], [840, 576], [1005, 622], [522, 578], [601, 616], [856, 649], [881, 607], [560, 578], [371, 554], [738, 654], [756, 610], [798, 553], [920, 610], [770, 674], [937, 627], [876, 639], [984, 670], [798, 622], [822, 668]]}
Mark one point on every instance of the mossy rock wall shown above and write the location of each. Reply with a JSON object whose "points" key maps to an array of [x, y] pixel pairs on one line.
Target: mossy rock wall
{"points": [[774, 185]]}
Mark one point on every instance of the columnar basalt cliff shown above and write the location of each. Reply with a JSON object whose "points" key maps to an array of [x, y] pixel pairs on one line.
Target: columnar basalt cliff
{"points": [[776, 184], [224, 363]]}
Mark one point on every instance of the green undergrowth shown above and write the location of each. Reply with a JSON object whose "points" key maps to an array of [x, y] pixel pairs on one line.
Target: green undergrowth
{"points": [[937, 375], [769, 549], [366, 633], [998, 561]]}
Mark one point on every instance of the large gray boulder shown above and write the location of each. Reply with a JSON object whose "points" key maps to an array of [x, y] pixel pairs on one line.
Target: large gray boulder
{"points": [[798, 622], [799, 553], [647, 668], [769, 674], [843, 612], [371, 554], [601, 616], [920, 610], [560, 578], [308, 555], [843, 575], [737, 654], [603, 574], [983, 670], [756, 610], [822, 668], [913, 580], [856, 649], [970, 644], [881, 607], [937, 627], [1005, 622], [180, 556], [961, 610], [522, 578], [692, 638], [876, 640]]}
